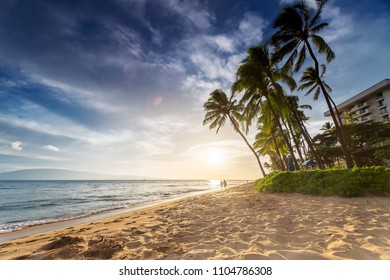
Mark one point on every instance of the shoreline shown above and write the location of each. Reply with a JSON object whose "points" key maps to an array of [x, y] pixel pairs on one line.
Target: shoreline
{"points": [[236, 223], [61, 224]]}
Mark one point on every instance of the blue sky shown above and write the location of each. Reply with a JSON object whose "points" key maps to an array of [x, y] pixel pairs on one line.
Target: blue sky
{"points": [[117, 86]]}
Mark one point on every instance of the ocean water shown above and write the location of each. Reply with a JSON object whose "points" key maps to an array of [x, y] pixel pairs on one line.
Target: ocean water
{"points": [[26, 203]]}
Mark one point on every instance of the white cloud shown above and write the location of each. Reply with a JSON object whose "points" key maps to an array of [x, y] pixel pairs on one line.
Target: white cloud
{"points": [[312, 3], [17, 145], [192, 11], [223, 42], [251, 29], [158, 134], [341, 25], [51, 148], [215, 58], [230, 149]]}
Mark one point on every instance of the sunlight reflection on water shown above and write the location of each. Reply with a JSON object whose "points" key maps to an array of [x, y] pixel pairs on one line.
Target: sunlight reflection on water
{"points": [[214, 184]]}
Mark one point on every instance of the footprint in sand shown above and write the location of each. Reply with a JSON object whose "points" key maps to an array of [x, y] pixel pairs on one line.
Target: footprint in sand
{"points": [[63, 241], [103, 248]]}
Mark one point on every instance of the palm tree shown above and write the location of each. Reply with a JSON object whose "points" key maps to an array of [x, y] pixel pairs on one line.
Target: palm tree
{"points": [[327, 128], [310, 80], [219, 108], [298, 26], [349, 118], [258, 77]]}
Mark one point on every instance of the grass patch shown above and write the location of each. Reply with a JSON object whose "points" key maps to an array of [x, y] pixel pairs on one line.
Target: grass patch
{"points": [[341, 182]]}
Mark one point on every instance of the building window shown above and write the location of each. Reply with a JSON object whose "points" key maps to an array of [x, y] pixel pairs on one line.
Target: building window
{"points": [[381, 103], [362, 104], [379, 96], [384, 111]]}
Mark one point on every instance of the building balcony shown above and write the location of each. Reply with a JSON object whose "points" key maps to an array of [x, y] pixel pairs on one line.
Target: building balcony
{"points": [[380, 98], [363, 112], [366, 118], [381, 105], [384, 112], [359, 106]]}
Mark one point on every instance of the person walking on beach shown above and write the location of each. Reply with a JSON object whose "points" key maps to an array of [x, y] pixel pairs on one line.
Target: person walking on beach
{"points": [[224, 183]]}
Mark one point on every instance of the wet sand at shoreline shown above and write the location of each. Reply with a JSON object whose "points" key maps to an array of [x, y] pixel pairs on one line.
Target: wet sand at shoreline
{"points": [[237, 223]]}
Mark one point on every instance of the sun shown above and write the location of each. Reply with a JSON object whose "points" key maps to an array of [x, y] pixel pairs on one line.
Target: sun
{"points": [[215, 156]]}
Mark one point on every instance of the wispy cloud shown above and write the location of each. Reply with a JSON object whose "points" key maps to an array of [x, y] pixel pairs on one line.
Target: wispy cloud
{"points": [[51, 148]]}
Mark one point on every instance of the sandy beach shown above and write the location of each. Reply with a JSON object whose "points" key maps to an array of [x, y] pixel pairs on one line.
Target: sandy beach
{"points": [[236, 223]]}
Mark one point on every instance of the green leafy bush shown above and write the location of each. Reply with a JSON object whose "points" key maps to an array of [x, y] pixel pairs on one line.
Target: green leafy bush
{"points": [[342, 182]]}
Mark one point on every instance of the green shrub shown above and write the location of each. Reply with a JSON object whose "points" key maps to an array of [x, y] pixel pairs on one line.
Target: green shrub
{"points": [[341, 182]]}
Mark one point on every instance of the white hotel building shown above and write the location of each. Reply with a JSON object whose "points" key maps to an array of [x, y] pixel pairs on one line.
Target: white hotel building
{"points": [[372, 104]]}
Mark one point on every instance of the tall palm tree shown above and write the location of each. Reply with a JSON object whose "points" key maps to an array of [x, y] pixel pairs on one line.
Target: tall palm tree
{"points": [[219, 108], [258, 77], [327, 128], [309, 79], [297, 28]]}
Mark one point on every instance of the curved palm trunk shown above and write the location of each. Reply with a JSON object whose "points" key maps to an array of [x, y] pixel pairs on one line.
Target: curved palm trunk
{"points": [[339, 129], [249, 145], [293, 136], [278, 153], [282, 132], [304, 149], [308, 139]]}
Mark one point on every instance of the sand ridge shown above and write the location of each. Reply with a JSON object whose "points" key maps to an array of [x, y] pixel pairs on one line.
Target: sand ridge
{"points": [[237, 223]]}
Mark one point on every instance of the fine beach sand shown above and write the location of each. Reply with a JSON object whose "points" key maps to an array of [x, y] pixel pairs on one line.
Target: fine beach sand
{"points": [[237, 223]]}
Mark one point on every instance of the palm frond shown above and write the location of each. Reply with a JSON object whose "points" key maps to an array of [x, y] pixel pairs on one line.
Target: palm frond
{"points": [[316, 94], [323, 47], [305, 107], [301, 59], [317, 16], [327, 87], [317, 28], [314, 87], [290, 47]]}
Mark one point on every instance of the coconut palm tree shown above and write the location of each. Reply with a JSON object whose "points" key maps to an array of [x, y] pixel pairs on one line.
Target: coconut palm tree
{"points": [[297, 32], [219, 108], [257, 77], [349, 118], [327, 128], [309, 79]]}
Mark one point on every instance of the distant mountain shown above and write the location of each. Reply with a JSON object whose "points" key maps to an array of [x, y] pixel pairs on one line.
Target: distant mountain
{"points": [[61, 174]]}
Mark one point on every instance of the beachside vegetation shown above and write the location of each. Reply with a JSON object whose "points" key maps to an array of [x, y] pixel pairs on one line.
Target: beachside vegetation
{"points": [[368, 142], [334, 181]]}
